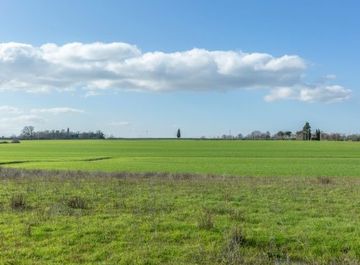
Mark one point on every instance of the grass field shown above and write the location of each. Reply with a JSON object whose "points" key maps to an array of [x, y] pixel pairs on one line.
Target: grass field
{"points": [[244, 158], [76, 218], [272, 202]]}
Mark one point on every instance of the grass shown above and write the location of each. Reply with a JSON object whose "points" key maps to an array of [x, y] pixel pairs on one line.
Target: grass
{"points": [[120, 218], [211, 202], [244, 158]]}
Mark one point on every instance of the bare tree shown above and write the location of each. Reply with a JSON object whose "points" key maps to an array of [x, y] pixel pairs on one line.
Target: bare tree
{"points": [[28, 132]]}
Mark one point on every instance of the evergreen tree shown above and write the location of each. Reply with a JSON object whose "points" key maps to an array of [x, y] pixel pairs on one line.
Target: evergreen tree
{"points": [[178, 135]]}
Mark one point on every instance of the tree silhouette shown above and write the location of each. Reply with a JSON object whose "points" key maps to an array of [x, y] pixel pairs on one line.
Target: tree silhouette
{"points": [[307, 132], [317, 135], [178, 134]]}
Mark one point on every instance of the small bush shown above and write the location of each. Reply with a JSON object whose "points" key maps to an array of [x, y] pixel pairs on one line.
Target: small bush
{"points": [[206, 220], [4, 142], [15, 141], [18, 202], [77, 202]]}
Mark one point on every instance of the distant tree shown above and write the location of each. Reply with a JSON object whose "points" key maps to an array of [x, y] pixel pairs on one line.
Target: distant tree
{"points": [[27, 132], [267, 135], [307, 132], [99, 135], [258, 135], [178, 134], [288, 134], [15, 141], [317, 135], [280, 135]]}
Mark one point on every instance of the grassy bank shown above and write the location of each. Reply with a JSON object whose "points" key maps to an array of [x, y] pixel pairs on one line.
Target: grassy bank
{"points": [[58, 217]]}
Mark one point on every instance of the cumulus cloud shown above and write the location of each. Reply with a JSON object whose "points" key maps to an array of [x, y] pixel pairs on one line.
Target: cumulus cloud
{"points": [[100, 66], [56, 111]]}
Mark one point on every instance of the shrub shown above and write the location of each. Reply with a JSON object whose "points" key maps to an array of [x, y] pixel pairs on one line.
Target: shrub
{"points": [[18, 202], [15, 141]]}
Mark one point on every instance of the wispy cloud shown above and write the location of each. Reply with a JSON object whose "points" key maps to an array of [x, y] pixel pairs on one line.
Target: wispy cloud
{"points": [[11, 124], [9, 110], [56, 111], [99, 66], [119, 123], [13, 119], [320, 93]]}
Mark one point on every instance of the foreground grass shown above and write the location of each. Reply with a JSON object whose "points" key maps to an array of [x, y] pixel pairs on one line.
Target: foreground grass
{"points": [[101, 218], [244, 158]]}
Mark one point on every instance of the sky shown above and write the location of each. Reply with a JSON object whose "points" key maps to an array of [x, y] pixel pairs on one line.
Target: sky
{"points": [[146, 68]]}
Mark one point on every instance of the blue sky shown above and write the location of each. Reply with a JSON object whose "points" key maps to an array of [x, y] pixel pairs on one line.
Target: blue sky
{"points": [[145, 68]]}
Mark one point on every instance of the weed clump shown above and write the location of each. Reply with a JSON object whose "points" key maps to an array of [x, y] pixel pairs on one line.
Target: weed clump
{"points": [[77, 202], [206, 220], [237, 215], [236, 238], [231, 253], [18, 202], [324, 180]]}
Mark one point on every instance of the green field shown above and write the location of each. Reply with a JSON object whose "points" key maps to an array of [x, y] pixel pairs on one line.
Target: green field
{"points": [[242, 158], [252, 202]]}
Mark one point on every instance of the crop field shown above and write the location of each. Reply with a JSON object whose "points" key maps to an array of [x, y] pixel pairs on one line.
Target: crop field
{"points": [[180, 202], [241, 158]]}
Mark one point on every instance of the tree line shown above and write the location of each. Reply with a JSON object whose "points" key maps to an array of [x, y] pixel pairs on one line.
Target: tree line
{"points": [[29, 133], [306, 134]]}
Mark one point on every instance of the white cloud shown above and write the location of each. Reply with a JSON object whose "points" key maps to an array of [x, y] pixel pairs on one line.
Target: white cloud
{"points": [[96, 67], [321, 93], [22, 119], [56, 111]]}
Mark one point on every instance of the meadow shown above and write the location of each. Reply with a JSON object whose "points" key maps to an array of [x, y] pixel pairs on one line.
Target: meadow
{"points": [[200, 202], [241, 158]]}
